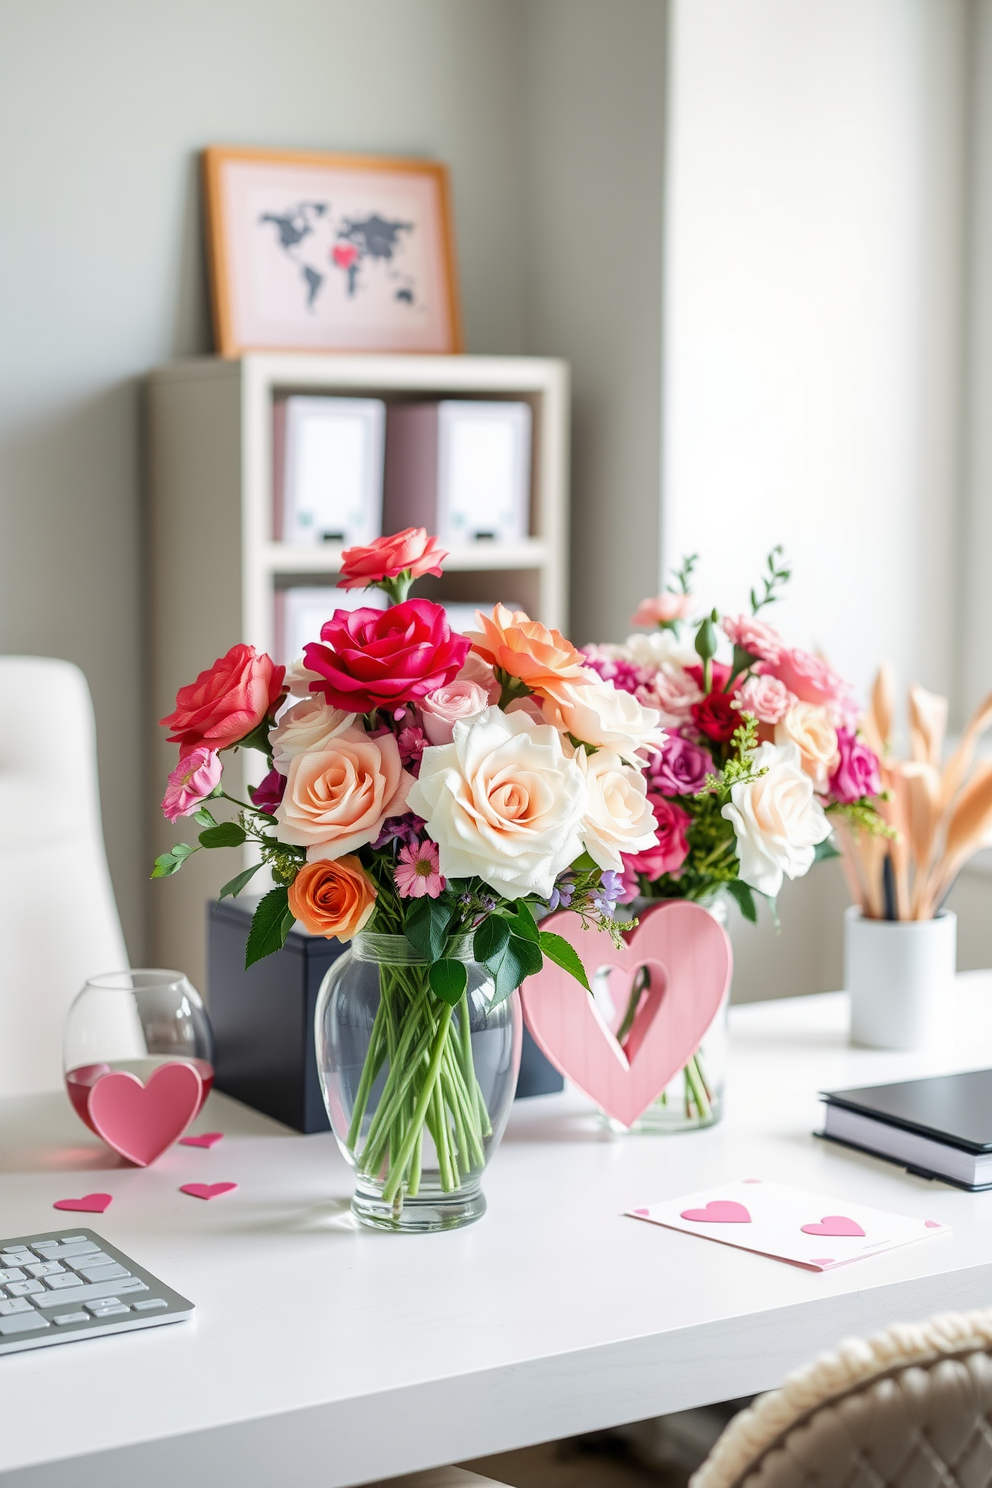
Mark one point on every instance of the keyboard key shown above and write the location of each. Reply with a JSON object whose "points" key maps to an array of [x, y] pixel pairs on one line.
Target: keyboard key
{"points": [[75, 1240], [46, 1268], [89, 1258], [87, 1293], [24, 1322], [149, 1303], [24, 1288], [102, 1273], [57, 1252], [63, 1279], [13, 1273], [70, 1317], [15, 1304], [108, 1311], [11, 1262]]}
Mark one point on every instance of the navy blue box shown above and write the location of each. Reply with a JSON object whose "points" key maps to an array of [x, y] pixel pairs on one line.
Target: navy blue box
{"points": [[263, 1021]]}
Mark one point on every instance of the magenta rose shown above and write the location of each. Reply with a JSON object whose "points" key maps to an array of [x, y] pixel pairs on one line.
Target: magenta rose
{"points": [[672, 847], [226, 702], [268, 794], [385, 658], [857, 773], [679, 767]]}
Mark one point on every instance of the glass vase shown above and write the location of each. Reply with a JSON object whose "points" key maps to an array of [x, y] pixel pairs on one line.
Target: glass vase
{"points": [[417, 1092], [693, 1098]]}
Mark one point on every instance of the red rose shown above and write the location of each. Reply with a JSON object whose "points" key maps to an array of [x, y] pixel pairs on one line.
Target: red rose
{"points": [[385, 658], [225, 703], [388, 557], [671, 848], [716, 716]]}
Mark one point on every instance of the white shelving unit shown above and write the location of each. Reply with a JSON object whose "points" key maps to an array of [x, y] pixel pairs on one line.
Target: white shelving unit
{"points": [[214, 568]]}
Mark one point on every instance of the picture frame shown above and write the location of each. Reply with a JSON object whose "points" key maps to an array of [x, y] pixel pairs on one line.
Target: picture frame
{"points": [[326, 252]]}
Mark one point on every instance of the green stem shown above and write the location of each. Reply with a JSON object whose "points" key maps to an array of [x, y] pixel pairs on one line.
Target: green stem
{"points": [[373, 1064], [402, 1157], [695, 1083]]}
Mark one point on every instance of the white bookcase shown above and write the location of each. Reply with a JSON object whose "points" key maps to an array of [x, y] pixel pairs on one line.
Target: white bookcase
{"points": [[214, 566]]}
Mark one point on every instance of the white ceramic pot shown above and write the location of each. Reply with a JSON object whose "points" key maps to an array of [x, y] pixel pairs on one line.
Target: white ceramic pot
{"points": [[900, 974]]}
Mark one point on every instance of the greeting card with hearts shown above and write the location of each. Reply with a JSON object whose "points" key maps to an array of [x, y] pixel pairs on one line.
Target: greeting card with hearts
{"points": [[789, 1224]]}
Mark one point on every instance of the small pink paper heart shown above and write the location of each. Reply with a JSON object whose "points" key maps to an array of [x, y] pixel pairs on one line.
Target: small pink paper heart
{"points": [[833, 1224], [641, 1213], [94, 1203], [141, 1120], [205, 1139], [207, 1190], [932, 1224], [719, 1211], [821, 1260]]}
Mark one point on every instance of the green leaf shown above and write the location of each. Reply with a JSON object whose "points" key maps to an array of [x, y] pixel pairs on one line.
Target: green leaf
{"points": [[522, 922], [448, 980], [171, 862], [558, 950], [584, 863], [490, 938], [741, 893], [825, 850], [426, 927], [506, 969], [528, 953], [228, 834], [203, 817], [269, 926], [236, 884]]}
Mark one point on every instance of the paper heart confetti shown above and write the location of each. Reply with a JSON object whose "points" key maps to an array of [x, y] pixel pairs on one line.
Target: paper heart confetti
{"points": [[94, 1203], [833, 1224], [689, 962], [205, 1139], [141, 1120], [719, 1211], [207, 1190]]}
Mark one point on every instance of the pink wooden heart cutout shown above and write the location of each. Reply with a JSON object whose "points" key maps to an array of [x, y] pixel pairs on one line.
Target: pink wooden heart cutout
{"points": [[690, 961], [833, 1224], [141, 1121], [88, 1204], [719, 1211], [205, 1139], [207, 1190]]}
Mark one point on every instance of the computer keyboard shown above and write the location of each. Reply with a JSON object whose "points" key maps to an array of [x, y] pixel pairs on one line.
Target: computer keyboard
{"points": [[64, 1285]]}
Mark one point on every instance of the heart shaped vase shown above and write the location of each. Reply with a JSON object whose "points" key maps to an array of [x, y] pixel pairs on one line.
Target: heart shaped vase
{"points": [[656, 997], [141, 1120]]}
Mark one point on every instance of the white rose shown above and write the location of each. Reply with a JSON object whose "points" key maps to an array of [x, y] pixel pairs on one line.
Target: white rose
{"points": [[298, 678], [777, 819], [306, 728], [618, 817], [605, 717], [808, 726], [503, 803], [656, 647]]}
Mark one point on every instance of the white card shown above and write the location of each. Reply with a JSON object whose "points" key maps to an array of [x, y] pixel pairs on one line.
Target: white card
{"points": [[789, 1224]]}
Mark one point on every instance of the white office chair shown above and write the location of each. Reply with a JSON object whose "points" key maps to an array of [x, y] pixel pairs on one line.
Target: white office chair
{"points": [[58, 918]]}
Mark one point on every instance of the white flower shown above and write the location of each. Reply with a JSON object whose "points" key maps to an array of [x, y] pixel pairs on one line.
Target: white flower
{"points": [[654, 648], [777, 819], [808, 726], [503, 802], [674, 692], [298, 678], [306, 728], [618, 817], [605, 717]]}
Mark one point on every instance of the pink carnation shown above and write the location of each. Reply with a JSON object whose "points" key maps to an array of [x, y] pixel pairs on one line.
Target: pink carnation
{"points": [[857, 773], [753, 636], [766, 698], [191, 782], [661, 610], [674, 691], [388, 557]]}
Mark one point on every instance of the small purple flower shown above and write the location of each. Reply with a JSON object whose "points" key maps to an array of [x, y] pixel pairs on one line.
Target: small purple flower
{"points": [[268, 795], [487, 902], [406, 829], [679, 767], [609, 891], [561, 894], [465, 899]]}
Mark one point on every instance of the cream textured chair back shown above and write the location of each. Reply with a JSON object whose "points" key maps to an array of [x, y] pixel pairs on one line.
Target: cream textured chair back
{"points": [[58, 917], [909, 1408]]}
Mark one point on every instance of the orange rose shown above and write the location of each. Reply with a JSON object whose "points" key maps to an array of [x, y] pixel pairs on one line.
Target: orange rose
{"points": [[332, 898], [525, 648]]}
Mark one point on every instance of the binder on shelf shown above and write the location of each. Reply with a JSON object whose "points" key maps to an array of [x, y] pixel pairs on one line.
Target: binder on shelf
{"points": [[328, 463], [301, 610], [460, 468]]}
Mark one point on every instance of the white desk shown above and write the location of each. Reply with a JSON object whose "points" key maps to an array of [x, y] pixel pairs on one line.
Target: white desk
{"points": [[322, 1353]]}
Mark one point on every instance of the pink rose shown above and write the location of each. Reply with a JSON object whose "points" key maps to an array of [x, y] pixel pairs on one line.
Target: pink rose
{"points": [[752, 635], [385, 658], [337, 799], [674, 692], [441, 710], [191, 782], [673, 847], [474, 669], [766, 698], [661, 610], [388, 557], [226, 702], [857, 773], [814, 680]]}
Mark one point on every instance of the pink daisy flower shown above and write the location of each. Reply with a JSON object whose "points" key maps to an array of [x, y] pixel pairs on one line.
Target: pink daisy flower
{"points": [[417, 871]]}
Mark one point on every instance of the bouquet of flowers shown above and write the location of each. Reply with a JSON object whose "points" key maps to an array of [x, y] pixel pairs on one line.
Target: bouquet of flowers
{"points": [[430, 785]]}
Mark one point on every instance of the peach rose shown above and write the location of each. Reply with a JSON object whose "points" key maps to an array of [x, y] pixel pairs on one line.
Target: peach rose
{"points": [[524, 648], [808, 727], [336, 799], [440, 710], [332, 899], [389, 556]]}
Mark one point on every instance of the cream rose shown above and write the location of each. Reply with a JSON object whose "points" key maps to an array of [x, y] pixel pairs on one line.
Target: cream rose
{"points": [[656, 647], [337, 799], [441, 709], [298, 678], [503, 803], [808, 726], [306, 728], [618, 817], [776, 818], [602, 715]]}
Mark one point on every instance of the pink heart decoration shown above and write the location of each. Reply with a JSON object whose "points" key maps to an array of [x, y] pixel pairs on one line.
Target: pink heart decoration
{"points": [[932, 1224], [719, 1211], [205, 1139], [833, 1224], [207, 1190], [821, 1260], [141, 1121], [88, 1204], [690, 961]]}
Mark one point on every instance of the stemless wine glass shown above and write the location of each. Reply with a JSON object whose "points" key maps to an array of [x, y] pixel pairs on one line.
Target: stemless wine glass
{"points": [[134, 1021]]}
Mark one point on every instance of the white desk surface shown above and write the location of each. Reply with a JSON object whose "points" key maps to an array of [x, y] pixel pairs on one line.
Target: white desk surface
{"points": [[320, 1352]]}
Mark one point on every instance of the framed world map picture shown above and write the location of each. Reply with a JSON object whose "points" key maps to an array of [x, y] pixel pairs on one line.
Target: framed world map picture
{"points": [[312, 252]]}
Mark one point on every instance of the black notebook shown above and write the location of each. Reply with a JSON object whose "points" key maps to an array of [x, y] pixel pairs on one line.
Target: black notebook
{"points": [[940, 1127]]}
